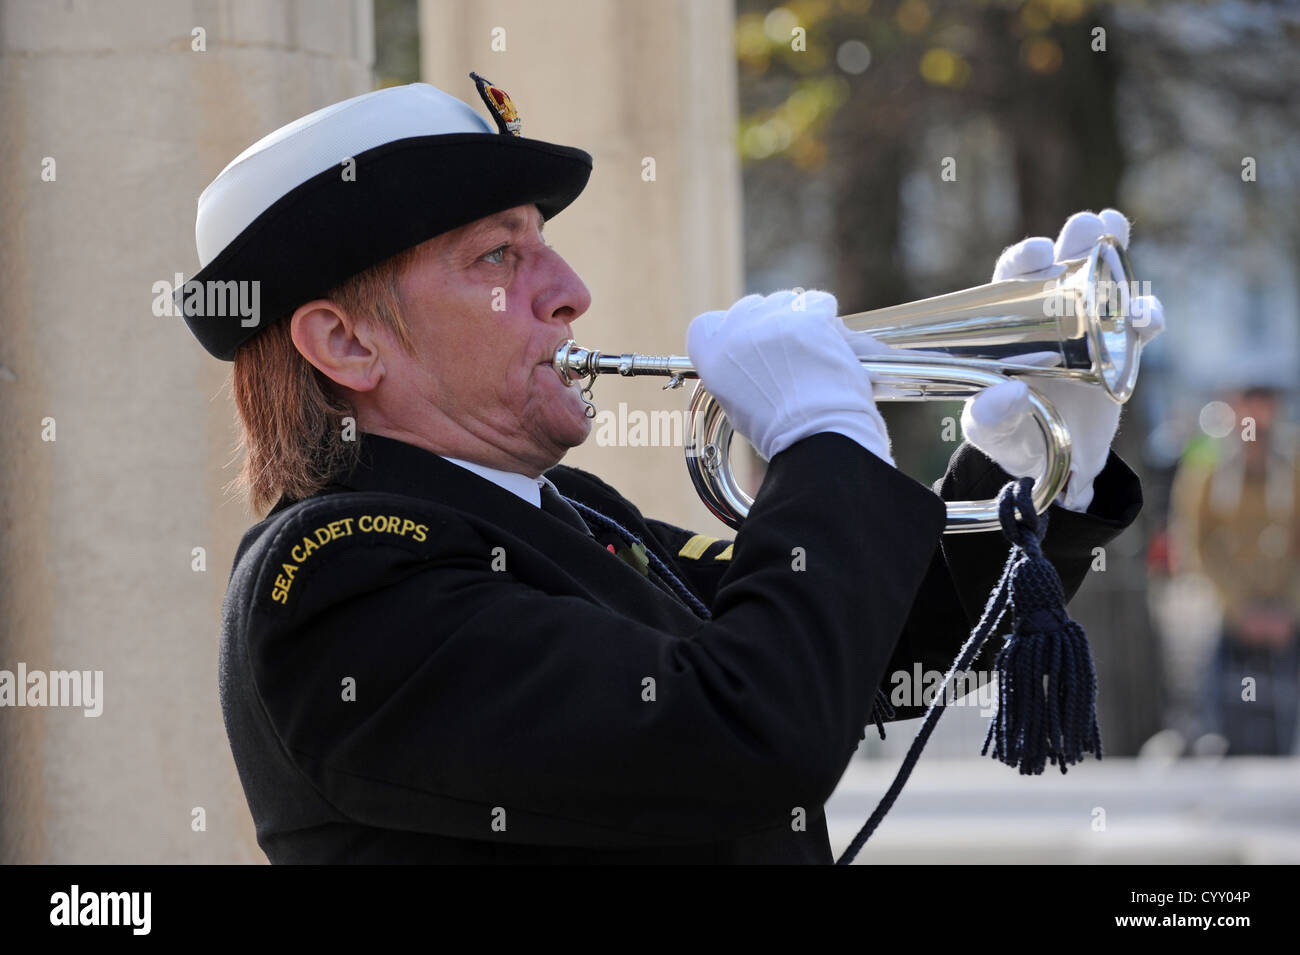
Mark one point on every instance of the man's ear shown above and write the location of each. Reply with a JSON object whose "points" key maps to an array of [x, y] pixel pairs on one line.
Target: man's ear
{"points": [[341, 348]]}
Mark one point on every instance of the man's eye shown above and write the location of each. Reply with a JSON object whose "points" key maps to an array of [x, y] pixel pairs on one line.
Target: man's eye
{"points": [[497, 255]]}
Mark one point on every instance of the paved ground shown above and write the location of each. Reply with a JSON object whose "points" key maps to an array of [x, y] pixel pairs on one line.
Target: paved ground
{"points": [[1240, 810]]}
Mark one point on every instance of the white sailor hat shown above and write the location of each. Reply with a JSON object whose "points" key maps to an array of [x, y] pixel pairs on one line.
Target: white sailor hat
{"points": [[345, 187]]}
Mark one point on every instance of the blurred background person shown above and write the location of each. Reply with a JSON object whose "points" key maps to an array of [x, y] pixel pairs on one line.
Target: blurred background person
{"points": [[1235, 519]]}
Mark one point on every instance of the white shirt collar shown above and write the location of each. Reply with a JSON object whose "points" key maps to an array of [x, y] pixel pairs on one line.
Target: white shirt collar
{"points": [[528, 488]]}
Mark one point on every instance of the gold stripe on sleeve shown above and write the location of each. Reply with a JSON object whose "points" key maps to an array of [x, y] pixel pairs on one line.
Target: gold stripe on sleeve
{"points": [[694, 548]]}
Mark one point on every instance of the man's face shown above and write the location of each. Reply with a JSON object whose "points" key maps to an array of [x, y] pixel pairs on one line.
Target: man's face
{"points": [[1257, 403], [487, 305]]}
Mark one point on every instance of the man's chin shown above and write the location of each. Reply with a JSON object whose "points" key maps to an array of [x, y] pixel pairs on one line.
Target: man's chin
{"points": [[563, 414], [561, 429], [573, 433]]}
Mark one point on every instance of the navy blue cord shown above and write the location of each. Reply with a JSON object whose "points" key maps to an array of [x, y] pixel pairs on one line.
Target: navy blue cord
{"points": [[994, 610]]}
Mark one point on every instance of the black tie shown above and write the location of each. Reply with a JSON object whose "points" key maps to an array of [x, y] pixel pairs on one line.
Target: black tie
{"points": [[557, 506]]}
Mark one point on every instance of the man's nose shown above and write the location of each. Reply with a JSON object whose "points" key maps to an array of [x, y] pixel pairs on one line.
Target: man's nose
{"points": [[566, 296]]}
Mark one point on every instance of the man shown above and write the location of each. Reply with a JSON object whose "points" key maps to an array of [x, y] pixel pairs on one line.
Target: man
{"points": [[442, 646], [1236, 519]]}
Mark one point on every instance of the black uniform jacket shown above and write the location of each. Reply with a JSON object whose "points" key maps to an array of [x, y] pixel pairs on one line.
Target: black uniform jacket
{"points": [[419, 666]]}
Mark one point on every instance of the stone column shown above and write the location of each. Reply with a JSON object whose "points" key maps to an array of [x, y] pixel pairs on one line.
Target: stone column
{"points": [[649, 89], [117, 428]]}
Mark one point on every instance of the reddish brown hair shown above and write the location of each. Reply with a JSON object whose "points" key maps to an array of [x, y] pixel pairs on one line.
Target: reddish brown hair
{"points": [[290, 414]]}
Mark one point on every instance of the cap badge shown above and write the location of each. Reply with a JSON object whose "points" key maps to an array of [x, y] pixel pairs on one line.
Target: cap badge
{"points": [[499, 102]]}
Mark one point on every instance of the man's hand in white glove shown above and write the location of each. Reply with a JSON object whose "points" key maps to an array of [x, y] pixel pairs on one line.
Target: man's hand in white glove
{"points": [[783, 370], [997, 420]]}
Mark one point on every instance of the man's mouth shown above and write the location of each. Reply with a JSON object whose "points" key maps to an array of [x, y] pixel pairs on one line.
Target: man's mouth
{"points": [[569, 375]]}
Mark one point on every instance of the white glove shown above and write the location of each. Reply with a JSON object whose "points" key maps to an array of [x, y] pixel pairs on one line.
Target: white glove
{"points": [[997, 420], [783, 370]]}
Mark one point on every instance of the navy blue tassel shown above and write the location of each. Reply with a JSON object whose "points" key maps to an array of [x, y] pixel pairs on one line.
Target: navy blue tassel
{"points": [[1047, 684], [1046, 647]]}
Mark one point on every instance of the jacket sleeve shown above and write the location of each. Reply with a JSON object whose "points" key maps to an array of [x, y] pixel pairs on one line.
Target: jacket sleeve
{"points": [[965, 569], [483, 707]]}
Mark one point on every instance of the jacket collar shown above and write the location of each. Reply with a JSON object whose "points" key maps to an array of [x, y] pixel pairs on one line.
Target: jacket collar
{"points": [[521, 485]]}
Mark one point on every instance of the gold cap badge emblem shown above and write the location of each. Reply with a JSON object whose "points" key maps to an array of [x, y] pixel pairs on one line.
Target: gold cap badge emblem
{"points": [[499, 103]]}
